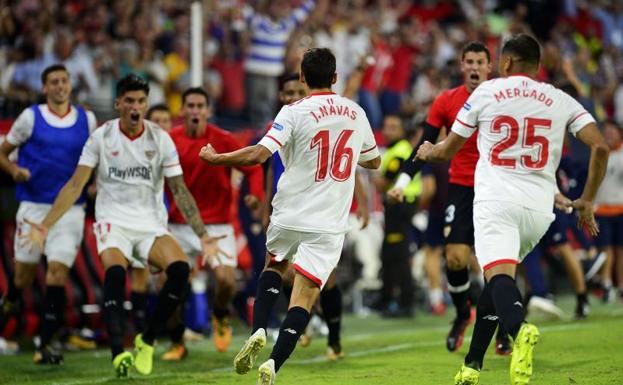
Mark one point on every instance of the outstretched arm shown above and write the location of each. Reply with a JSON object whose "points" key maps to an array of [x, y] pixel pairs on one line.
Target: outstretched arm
{"points": [[246, 156], [186, 204], [68, 195], [442, 151]]}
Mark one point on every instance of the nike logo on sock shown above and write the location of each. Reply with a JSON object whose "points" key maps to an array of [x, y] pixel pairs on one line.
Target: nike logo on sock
{"points": [[518, 304], [491, 317], [273, 290], [291, 331]]}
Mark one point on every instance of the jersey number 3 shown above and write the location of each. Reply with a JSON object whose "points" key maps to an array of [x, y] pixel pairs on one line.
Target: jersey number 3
{"points": [[341, 161], [530, 139]]}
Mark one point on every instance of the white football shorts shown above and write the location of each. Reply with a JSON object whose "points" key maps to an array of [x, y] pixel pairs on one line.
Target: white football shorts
{"points": [[506, 232], [191, 244], [314, 255], [63, 239]]}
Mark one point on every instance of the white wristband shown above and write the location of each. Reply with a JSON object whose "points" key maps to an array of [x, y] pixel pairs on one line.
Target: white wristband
{"points": [[403, 181]]}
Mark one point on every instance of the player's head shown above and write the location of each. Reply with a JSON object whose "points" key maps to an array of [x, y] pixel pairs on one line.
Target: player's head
{"points": [[318, 68], [475, 64], [131, 100], [613, 133], [291, 88], [393, 128], [56, 84], [520, 54], [160, 115], [196, 110]]}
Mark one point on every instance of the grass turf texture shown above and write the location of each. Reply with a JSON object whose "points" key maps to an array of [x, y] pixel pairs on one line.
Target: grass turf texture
{"points": [[387, 352]]}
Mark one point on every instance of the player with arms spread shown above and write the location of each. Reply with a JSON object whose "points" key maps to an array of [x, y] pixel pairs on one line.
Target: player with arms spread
{"points": [[459, 226], [521, 124], [321, 139], [131, 158]]}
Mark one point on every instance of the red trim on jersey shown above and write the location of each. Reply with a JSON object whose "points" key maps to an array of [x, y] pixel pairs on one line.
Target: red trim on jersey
{"points": [[465, 124], [322, 93], [59, 115], [368, 150], [307, 274], [522, 74], [273, 258], [132, 137], [576, 118], [499, 262], [273, 138]]}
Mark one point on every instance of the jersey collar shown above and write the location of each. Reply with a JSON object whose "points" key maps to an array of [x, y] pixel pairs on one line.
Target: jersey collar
{"points": [[131, 137], [521, 74], [321, 93]]}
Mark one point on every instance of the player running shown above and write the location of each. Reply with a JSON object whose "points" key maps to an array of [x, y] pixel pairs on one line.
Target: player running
{"points": [[321, 140], [521, 124]]}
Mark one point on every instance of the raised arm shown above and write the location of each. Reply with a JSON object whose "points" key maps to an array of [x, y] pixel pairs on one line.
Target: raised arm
{"points": [[246, 156]]}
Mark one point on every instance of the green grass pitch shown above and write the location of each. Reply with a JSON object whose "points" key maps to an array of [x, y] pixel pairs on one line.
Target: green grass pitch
{"points": [[409, 352]]}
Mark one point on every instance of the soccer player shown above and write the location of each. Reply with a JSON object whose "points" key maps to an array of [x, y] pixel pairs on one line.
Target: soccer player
{"points": [[50, 137], [161, 115], [214, 203], [521, 124], [131, 158], [459, 227], [321, 139]]}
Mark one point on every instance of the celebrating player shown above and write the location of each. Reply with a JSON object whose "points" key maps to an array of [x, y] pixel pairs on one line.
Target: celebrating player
{"points": [[321, 139], [459, 226], [132, 157], [521, 124], [50, 137]]}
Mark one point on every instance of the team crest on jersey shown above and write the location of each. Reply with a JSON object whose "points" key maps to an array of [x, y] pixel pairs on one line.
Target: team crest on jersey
{"points": [[277, 126], [114, 153], [467, 106], [150, 154]]}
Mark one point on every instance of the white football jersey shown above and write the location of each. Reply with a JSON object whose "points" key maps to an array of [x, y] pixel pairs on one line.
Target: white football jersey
{"points": [[320, 139], [610, 192], [521, 125], [130, 174]]}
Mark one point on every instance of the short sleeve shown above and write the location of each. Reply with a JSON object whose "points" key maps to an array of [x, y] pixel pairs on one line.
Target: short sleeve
{"points": [[369, 149], [91, 150], [92, 121], [170, 160], [21, 130], [466, 122], [281, 130], [578, 116]]}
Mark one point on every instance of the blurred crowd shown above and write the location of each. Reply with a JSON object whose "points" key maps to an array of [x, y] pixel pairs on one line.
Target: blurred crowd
{"points": [[406, 49]]}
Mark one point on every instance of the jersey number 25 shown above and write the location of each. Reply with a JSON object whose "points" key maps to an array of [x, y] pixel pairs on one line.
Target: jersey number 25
{"points": [[341, 161], [530, 139]]}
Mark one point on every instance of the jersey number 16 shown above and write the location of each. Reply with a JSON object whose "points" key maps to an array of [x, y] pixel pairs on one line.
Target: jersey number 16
{"points": [[341, 161]]}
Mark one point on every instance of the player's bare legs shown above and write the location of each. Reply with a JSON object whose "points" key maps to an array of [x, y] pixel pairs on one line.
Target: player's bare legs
{"points": [[432, 266], [167, 255], [225, 290], [606, 272], [23, 277], [457, 259]]}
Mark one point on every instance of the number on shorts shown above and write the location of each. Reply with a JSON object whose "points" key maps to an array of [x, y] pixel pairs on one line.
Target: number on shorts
{"points": [[450, 210], [341, 159], [530, 139]]}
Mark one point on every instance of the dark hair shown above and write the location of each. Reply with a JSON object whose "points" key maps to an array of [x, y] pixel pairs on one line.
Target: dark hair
{"points": [[524, 48], [157, 107], [475, 46], [283, 79], [131, 82], [198, 91], [50, 69], [318, 67]]}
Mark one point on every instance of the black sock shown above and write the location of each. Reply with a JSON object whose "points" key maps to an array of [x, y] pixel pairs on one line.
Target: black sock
{"points": [[13, 293], [220, 312], [169, 299], [291, 329], [501, 334], [331, 303], [51, 316], [176, 333], [139, 309], [114, 314], [486, 322], [268, 289], [287, 291], [508, 303], [582, 298], [458, 286]]}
